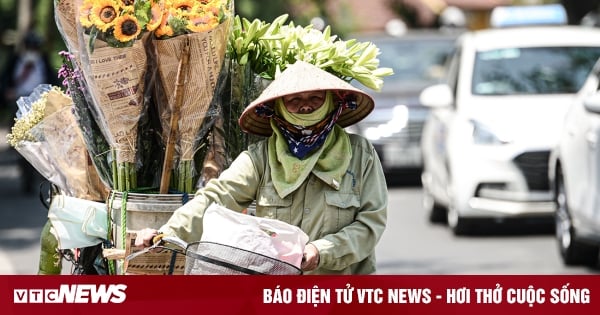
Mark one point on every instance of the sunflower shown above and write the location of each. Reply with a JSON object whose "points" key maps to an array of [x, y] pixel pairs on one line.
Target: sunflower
{"points": [[183, 5], [127, 28], [164, 29], [202, 22], [104, 13], [214, 6], [84, 14], [126, 3], [156, 15]]}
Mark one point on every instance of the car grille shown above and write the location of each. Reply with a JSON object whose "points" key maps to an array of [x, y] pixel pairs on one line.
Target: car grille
{"points": [[534, 166]]}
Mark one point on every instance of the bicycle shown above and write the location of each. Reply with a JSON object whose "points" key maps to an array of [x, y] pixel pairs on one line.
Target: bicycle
{"points": [[209, 258]]}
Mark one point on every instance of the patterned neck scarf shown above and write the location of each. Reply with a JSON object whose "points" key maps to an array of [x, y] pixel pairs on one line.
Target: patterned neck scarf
{"points": [[328, 161], [303, 139]]}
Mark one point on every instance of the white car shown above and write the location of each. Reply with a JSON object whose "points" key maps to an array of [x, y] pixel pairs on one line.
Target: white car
{"points": [[487, 140], [574, 173]]}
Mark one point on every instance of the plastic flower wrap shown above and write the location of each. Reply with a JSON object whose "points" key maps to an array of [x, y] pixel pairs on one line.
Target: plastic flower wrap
{"points": [[190, 48], [114, 64], [66, 21], [46, 134], [97, 146]]}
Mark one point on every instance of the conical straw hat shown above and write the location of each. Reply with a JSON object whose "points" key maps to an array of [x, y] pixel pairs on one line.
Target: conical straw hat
{"points": [[303, 77]]}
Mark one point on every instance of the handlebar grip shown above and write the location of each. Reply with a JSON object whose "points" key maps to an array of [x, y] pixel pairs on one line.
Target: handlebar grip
{"points": [[156, 239]]}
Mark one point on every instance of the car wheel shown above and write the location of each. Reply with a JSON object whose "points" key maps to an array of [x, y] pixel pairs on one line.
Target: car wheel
{"points": [[458, 224], [572, 251], [436, 212]]}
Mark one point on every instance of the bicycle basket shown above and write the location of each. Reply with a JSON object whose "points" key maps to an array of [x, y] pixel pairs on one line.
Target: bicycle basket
{"points": [[208, 258]]}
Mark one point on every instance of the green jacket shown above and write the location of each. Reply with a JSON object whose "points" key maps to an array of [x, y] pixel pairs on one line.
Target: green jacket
{"points": [[344, 224]]}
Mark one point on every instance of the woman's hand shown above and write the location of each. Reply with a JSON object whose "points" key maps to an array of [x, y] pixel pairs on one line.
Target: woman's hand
{"points": [[310, 259], [145, 237]]}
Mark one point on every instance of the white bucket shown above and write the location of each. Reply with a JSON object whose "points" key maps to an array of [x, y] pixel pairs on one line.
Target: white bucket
{"points": [[144, 211]]}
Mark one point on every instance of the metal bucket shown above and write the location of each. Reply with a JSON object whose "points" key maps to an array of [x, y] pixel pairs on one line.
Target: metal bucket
{"points": [[144, 211]]}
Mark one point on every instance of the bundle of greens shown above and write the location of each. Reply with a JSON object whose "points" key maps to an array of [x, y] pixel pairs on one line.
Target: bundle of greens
{"points": [[259, 50], [268, 48]]}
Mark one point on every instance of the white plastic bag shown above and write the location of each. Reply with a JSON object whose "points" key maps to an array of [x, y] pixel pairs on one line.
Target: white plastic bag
{"points": [[269, 237], [78, 222]]}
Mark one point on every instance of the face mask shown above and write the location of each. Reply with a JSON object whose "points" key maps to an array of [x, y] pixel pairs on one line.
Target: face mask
{"points": [[302, 140], [305, 120]]}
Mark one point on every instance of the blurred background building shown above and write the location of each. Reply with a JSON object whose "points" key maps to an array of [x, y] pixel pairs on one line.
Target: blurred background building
{"points": [[344, 16]]}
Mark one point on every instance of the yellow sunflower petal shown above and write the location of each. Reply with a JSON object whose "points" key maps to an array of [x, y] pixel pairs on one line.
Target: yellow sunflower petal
{"points": [[156, 17]]}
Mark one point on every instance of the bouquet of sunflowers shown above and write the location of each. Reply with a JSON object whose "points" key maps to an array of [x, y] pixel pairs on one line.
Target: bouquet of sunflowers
{"points": [[155, 89], [146, 79], [190, 47], [144, 62]]}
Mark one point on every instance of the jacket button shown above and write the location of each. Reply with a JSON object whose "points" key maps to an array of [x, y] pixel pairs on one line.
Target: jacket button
{"points": [[306, 210]]}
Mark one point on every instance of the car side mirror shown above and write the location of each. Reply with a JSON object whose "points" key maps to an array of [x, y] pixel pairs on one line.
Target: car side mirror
{"points": [[592, 103], [435, 96]]}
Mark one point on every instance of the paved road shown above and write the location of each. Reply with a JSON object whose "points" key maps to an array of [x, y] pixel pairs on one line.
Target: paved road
{"points": [[22, 217], [410, 244]]}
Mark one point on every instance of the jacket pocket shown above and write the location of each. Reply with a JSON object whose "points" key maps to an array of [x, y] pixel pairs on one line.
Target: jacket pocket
{"points": [[340, 210], [270, 205]]}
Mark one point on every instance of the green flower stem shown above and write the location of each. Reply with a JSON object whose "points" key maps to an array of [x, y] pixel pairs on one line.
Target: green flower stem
{"points": [[124, 176], [184, 177], [115, 174], [181, 177], [190, 177]]}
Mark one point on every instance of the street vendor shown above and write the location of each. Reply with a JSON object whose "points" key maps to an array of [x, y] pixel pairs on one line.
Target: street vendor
{"points": [[308, 172]]}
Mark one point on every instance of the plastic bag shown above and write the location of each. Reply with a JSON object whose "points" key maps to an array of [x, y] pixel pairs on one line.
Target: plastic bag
{"points": [[269, 237], [78, 222]]}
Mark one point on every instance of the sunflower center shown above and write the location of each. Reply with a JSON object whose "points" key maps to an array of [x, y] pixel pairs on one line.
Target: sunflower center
{"points": [[127, 2], [107, 14], [184, 7], [129, 27]]}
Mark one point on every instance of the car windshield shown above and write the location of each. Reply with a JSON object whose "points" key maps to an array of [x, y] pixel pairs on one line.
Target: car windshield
{"points": [[416, 62], [539, 70]]}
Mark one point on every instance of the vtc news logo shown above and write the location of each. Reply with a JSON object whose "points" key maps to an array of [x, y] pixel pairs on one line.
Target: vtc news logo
{"points": [[73, 293]]}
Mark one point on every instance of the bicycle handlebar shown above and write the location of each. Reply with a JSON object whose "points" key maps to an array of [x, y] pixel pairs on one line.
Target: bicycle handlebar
{"points": [[159, 242], [173, 240]]}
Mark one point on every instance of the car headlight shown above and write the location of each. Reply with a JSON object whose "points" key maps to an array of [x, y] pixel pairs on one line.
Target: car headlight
{"points": [[484, 135], [397, 122]]}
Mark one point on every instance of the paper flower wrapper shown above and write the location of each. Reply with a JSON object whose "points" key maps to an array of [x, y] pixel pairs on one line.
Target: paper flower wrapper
{"points": [[200, 93]]}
